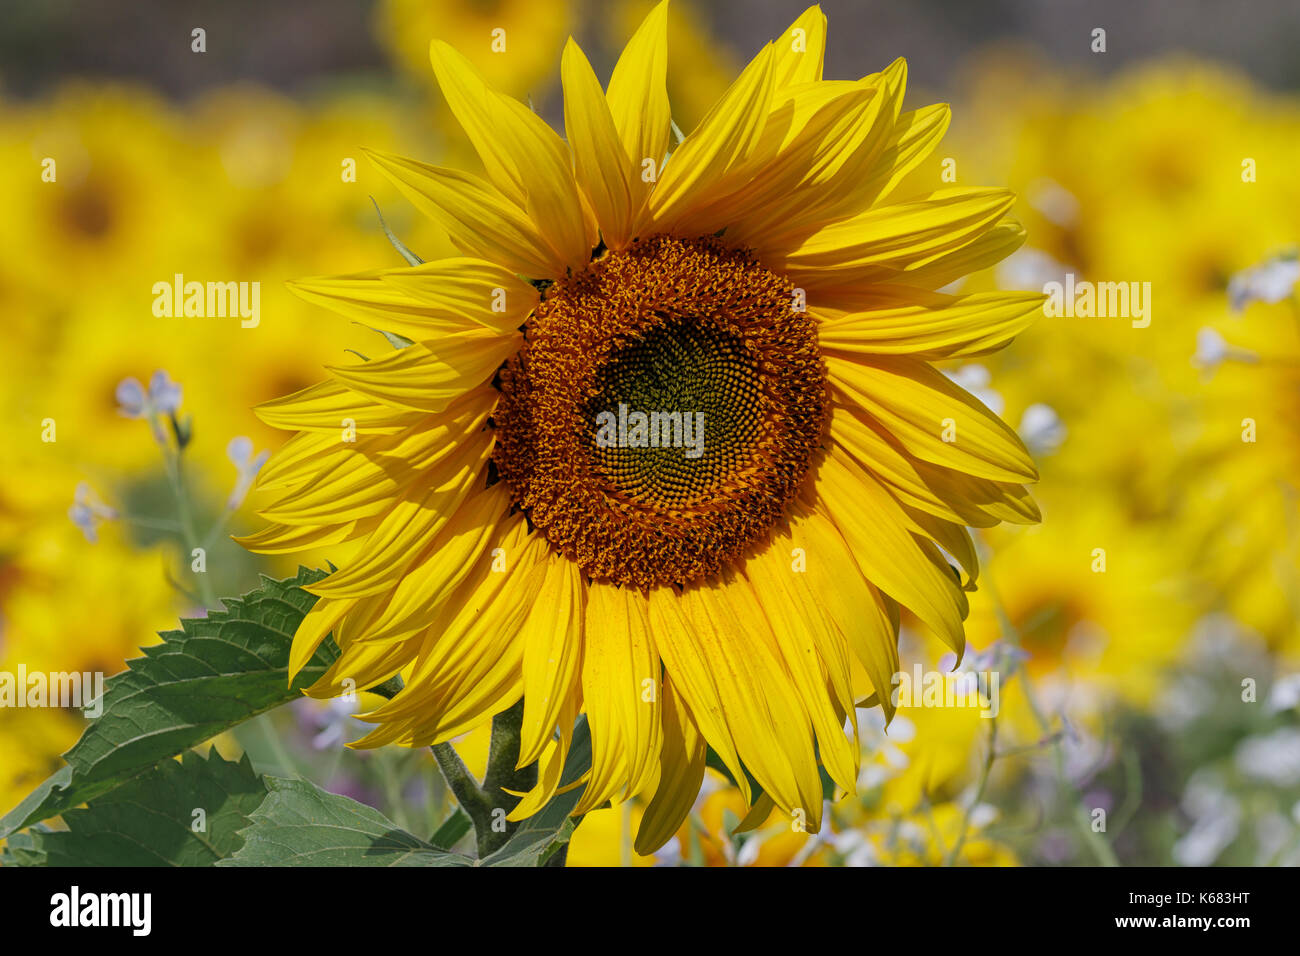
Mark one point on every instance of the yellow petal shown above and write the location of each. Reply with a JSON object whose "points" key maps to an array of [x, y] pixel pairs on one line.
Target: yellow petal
{"points": [[300, 459], [620, 683], [638, 98], [552, 639], [429, 300], [723, 142], [811, 132], [846, 291], [312, 630], [462, 549], [946, 494], [863, 616], [469, 669], [776, 586], [801, 50], [429, 377], [359, 667], [877, 531], [694, 680], [287, 539], [603, 168], [922, 408], [953, 538], [913, 137], [762, 707], [963, 325], [480, 221], [333, 407], [449, 291], [681, 773], [900, 236], [368, 481], [831, 189], [523, 156], [411, 523]]}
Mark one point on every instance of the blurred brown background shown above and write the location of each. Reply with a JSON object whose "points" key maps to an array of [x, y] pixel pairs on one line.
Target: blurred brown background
{"points": [[295, 43]]}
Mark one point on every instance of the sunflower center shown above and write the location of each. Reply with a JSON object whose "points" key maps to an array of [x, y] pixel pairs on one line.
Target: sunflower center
{"points": [[681, 408], [663, 411]]}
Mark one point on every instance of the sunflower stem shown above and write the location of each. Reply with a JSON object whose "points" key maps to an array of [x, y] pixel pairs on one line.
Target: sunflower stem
{"points": [[462, 784], [488, 804], [502, 774]]}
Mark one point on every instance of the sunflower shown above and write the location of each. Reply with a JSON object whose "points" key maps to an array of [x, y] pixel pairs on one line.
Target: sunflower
{"points": [[761, 280]]}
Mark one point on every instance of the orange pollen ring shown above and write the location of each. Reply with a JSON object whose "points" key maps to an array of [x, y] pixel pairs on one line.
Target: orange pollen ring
{"points": [[662, 412]]}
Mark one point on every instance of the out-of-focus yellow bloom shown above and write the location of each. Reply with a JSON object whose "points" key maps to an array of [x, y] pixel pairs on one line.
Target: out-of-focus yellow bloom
{"points": [[68, 605], [515, 44], [708, 836], [931, 756], [1249, 545], [604, 838], [91, 178], [1175, 174], [927, 838], [1093, 598], [31, 741]]}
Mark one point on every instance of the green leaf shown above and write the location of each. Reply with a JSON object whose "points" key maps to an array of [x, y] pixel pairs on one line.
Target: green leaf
{"points": [[452, 829], [203, 679], [20, 850], [300, 824], [550, 828], [185, 812]]}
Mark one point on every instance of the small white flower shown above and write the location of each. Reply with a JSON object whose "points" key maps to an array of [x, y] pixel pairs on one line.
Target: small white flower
{"points": [[164, 394], [1209, 837], [240, 453], [670, 854], [131, 399], [982, 815], [1270, 281], [1285, 694], [1273, 758], [976, 379], [748, 854], [87, 511], [1054, 201], [1028, 269], [1042, 429], [854, 847], [334, 722], [162, 398], [1212, 350]]}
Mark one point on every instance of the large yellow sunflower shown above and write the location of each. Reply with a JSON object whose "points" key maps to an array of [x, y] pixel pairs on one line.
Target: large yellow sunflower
{"points": [[742, 595]]}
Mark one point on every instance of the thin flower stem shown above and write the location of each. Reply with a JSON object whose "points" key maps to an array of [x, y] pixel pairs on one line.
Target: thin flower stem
{"points": [[1096, 841], [217, 527], [939, 841], [173, 460], [285, 763], [155, 524], [985, 772]]}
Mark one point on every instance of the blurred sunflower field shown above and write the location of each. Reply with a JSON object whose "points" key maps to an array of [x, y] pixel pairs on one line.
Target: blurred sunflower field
{"points": [[1145, 635]]}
